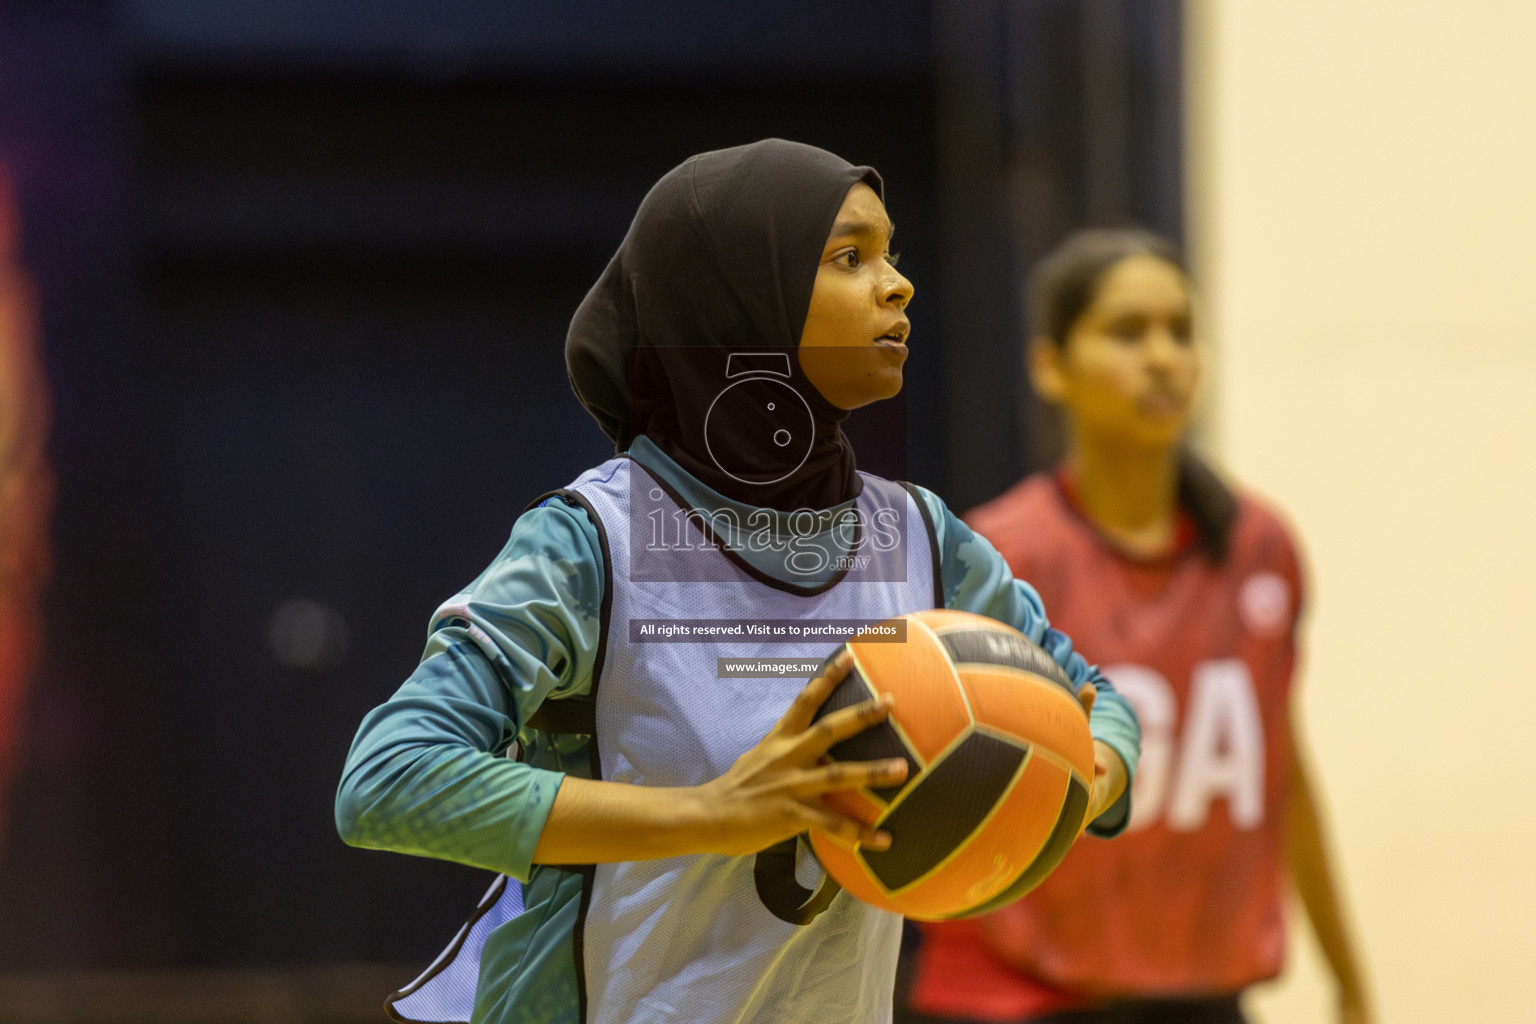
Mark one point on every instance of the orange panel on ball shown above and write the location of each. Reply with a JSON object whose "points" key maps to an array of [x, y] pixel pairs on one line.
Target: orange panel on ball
{"points": [[941, 620], [1032, 709], [998, 852], [930, 709]]}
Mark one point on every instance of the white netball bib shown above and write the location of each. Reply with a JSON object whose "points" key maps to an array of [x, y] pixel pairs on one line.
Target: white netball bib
{"points": [[687, 680], [690, 938]]}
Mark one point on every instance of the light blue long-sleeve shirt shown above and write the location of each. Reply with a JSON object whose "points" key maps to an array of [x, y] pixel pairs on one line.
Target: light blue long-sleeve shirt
{"points": [[426, 774]]}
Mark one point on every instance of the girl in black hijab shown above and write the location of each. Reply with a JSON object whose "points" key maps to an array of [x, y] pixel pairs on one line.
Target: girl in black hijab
{"points": [[722, 258], [752, 304]]}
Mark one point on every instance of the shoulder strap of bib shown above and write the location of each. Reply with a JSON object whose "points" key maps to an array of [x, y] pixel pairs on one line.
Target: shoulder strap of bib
{"points": [[934, 554]]}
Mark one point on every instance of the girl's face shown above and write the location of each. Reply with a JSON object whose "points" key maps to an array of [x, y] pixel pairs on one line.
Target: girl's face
{"points": [[854, 342], [1128, 367]]}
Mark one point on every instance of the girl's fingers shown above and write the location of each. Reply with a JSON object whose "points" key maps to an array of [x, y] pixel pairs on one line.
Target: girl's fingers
{"points": [[850, 830], [1088, 694], [800, 714], [843, 775], [840, 725]]}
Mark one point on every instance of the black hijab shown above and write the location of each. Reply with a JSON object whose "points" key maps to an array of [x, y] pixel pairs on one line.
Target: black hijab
{"points": [[690, 335]]}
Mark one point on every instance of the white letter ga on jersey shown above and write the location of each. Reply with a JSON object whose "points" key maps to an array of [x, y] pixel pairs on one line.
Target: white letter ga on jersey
{"points": [[1213, 750]]}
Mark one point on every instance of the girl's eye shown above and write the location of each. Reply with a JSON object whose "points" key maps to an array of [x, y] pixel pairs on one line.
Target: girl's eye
{"points": [[893, 258], [1129, 331], [849, 259]]}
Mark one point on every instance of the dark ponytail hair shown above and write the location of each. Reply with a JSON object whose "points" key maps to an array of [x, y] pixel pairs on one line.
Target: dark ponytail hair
{"points": [[1062, 286]]}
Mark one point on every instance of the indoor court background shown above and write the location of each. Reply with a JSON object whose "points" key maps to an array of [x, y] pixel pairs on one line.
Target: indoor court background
{"points": [[305, 268], [1362, 217]]}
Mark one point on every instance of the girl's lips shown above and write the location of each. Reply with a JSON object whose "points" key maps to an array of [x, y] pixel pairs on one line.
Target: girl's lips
{"points": [[1162, 405]]}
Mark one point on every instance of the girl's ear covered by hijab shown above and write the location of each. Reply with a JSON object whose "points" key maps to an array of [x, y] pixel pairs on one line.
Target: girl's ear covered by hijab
{"points": [[690, 335]]}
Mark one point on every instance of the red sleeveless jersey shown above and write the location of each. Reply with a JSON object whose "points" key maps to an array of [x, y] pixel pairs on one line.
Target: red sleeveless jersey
{"points": [[1189, 899]]}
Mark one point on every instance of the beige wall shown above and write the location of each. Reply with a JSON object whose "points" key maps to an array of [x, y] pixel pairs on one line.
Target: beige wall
{"points": [[1363, 204]]}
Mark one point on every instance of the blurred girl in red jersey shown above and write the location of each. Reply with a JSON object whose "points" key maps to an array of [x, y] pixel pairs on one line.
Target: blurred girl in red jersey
{"points": [[1189, 594]]}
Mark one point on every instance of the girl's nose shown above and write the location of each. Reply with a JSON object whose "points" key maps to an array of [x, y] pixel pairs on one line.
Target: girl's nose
{"points": [[1162, 347]]}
